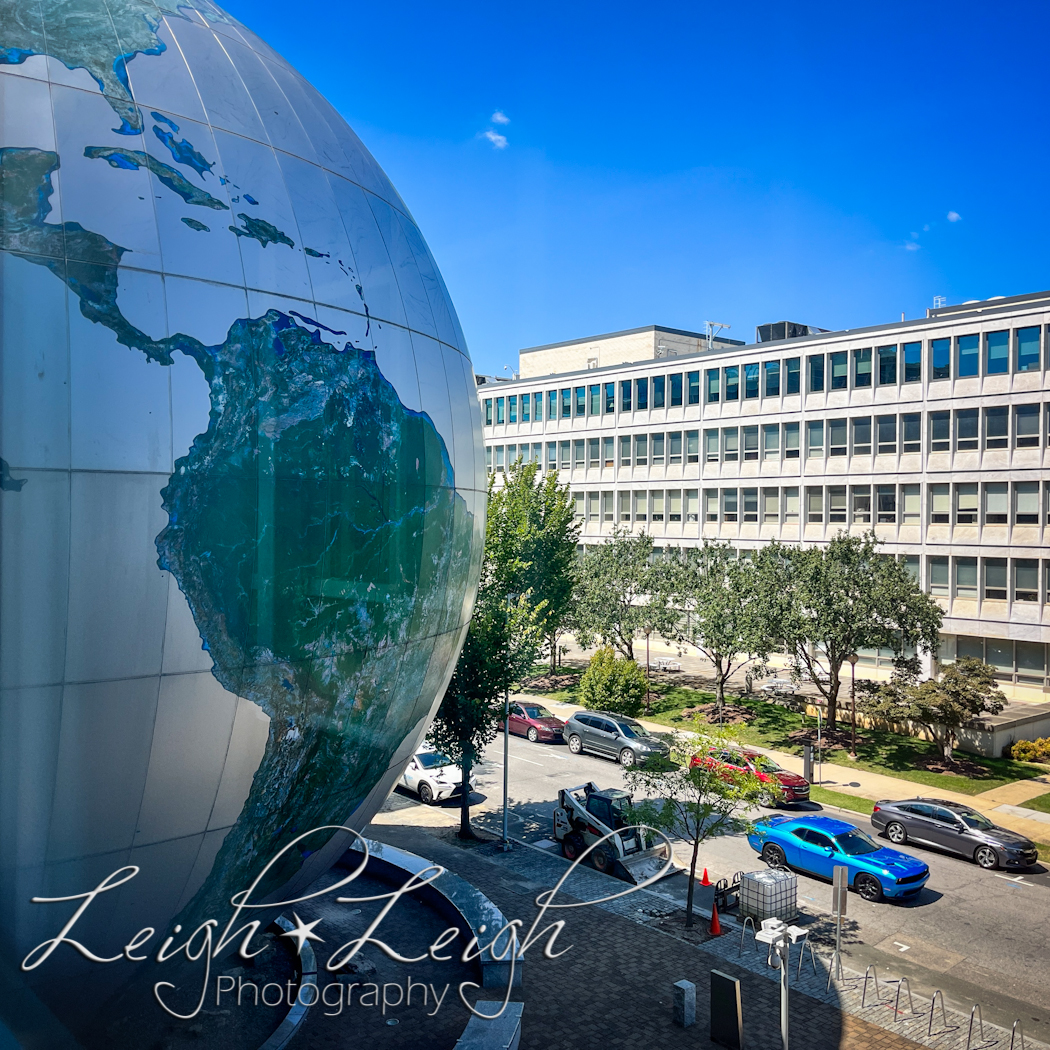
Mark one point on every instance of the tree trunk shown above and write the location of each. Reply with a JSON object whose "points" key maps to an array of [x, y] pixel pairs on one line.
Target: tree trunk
{"points": [[833, 701], [720, 686], [946, 742], [465, 830], [692, 881], [554, 651]]}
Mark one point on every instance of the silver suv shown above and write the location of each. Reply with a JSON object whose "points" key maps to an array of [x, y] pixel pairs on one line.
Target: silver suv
{"points": [[612, 736]]}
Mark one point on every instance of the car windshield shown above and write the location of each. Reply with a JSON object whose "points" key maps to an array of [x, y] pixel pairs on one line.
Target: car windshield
{"points": [[535, 711], [632, 729], [855, 843], [765, 765], [976, 820], [433, 759]]}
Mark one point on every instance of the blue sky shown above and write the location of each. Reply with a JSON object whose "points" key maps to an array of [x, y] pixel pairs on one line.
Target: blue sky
{"points": [[828, 163]]}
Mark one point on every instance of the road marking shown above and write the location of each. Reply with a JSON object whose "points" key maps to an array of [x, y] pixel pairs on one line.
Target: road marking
{"points": [[902, 947], [497, 762], [1017, 880]]}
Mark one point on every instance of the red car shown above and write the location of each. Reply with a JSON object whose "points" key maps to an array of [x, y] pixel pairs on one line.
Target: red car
{"points": [[535, 722], [792, 787]]}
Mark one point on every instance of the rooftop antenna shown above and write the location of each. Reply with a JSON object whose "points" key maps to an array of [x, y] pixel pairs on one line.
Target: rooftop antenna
{"points": [[713, 328], [939, 301]]}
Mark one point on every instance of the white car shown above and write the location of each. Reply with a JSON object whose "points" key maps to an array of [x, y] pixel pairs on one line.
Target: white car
{"points": [[434, 776]]}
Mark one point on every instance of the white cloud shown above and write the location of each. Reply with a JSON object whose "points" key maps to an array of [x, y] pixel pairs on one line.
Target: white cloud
{"points": [[498, 141], [912, 246], [499, 117], [954, 216], [926, 228]]}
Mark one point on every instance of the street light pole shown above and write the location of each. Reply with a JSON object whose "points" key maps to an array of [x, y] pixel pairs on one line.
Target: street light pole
{"points": [[648, 629], [505, 843], [853, 658], [779, 936]]}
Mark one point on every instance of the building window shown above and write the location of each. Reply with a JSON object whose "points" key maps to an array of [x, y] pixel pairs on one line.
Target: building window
{"points": [[674, 505], [676, 389], [595, 399], [912, 354], [488, 458], [886, 504], [996, 353], [911, 432], [1031, 661], [886, 432], [839, 363], [500, 411], [791, 441], [940, 431], [861, 435], [657, 442], [815, 506], [815, 439], [577, 505], [997, 503], [659, 387], [526, 406], [592, 506], [911, 504], [641, 506], [911, 565], [579, 461], [624, 501], [692, 446], [837, 504], [751, 380], [710, 504], [771, 441], [750, 442], [537, 453], [713, 385], [750, 501], [499, 458], [488, 411], [607, 506], [641, 450], [674, 448], [552, 404], [860, 497], [729, 505], [537, 406], [940, 359], [581, 400], [1026, 581], [1026, 503], [816, 373], [793, 367], [610, 397], [692, 505], [887, 365], [693, 387], [965, 577], [656, 504], [512, 455], [966, 355], [641, 391], [940, 582], [1027, 349], [625, 395], [940, 505], [966, 504], [625, 450], [966, 432], [710, 446], [772, 369], [995, 581], [607, 452], [732, 382], [566, 403], [730, 445], [563, 455], [861, 367], [1026, 426], [512, 408], [770, 506], [997, 427], [552, 455], [791, 509], [837, 437], [593, 452]]}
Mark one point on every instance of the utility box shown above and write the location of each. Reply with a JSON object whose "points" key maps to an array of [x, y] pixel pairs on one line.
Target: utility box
{"points": [[769, 894]]}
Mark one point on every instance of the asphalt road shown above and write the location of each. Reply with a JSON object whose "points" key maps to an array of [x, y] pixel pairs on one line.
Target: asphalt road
{"points": [[977, 935]]}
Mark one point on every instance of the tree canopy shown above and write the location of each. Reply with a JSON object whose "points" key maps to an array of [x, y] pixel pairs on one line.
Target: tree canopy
{"points": [[612, 685]]}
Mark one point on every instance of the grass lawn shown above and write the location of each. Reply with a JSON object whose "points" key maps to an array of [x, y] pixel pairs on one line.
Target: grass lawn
{"points": [[842, 800], [1040, 802]]}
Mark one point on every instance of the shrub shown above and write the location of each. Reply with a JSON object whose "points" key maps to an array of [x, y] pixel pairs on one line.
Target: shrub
{"points": [[612, 685], [1029, 750]]}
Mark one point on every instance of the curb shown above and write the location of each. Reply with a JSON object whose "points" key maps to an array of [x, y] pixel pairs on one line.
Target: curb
{"points": [[297, 1014]]}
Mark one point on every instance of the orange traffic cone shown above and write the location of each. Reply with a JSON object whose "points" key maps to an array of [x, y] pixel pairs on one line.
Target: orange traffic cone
{"points": [[716, 926], [705, 881]]}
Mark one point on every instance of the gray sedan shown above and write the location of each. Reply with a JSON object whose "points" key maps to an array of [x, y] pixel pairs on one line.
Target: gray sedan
{"points": [[956, 828], [613, 736]]}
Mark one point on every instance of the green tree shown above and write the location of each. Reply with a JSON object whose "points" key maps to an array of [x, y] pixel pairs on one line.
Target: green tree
{"points": [[715, 605], [612, 685], [533, 544], [825, 603], [692, 799], [942, 705], [616, 580]]}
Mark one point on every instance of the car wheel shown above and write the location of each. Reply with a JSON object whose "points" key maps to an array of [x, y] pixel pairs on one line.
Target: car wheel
{"points": [[868, 887], [426, 794], [896, 833], [575, 744], [602, 860], [626, 758], [572, 846], [774, 856], [767, 800], [532, 735], [986, 858]]}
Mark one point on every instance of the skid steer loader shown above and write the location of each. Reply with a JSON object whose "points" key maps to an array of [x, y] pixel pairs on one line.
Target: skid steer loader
{"points": [[586, 814]]}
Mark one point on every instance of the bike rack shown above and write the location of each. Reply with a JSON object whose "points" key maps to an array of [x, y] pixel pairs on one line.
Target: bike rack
{"points": [[903, 983], [743, 930], [802, 955], [980, 1021], [1013, 1032], [864, 994], [944, 1013], [834, 969]]}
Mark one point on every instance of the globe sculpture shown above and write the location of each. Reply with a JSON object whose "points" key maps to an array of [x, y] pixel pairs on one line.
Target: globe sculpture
{"points": [[241, 489]]}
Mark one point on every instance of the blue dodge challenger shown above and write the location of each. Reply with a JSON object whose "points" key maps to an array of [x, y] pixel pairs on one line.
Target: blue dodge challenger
{"points": [[816, 844]]}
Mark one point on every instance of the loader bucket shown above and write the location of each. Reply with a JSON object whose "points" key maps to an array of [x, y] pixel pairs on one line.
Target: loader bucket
{"points": [[645, 865]]}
